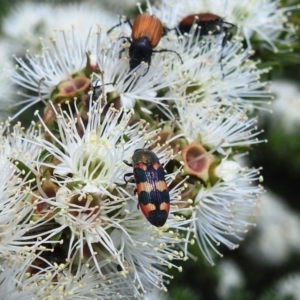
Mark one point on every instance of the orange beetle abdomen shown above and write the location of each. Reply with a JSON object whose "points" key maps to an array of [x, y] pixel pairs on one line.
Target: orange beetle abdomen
{"points": [[147, 26]]}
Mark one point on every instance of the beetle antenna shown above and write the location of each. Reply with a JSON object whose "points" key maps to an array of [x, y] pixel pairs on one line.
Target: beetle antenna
{"points": [[227, 23], [167, 50], [103, 85], [123, 19], [110, 30]]}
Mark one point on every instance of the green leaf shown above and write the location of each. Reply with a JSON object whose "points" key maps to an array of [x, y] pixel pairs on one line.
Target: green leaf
{"points": [[25, 171]]}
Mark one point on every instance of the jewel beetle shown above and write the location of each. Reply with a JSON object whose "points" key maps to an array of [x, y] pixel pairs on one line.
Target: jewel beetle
{"points": [[146, 32], [151, 186]]}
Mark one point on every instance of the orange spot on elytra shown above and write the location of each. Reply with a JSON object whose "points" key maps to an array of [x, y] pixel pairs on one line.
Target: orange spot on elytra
{"points": [[156, 165], [161, 186], [144, 187], [164, 206], [146, 209], [148, 187], [141, 166]]}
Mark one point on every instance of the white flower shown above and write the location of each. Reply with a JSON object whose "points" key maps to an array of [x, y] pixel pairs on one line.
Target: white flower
{"points": [[217, 76], [47, 278], [156, 294], [16, 177], [93, 202], [149, 251], [223, 212], [13, 208], [228, 170], [7, 96], [18, 144], [289, 288], [74, 223], [93, 157], [217, 129], [120, 7], [143, 83], [42, 19], [261, 19], [64, 71], [94, 153], [43, 74], [285, 106], [231, 277], [279, 228]]}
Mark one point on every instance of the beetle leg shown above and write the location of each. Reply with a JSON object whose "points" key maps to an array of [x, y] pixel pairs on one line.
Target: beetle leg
{"points": [[166, 30], [127, 163], [147, 68], [129, 23], [127, 175], [127, 39], [123, 50]]}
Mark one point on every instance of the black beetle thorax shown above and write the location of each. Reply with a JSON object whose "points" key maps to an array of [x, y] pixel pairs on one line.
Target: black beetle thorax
{"points": [[139, 51]]}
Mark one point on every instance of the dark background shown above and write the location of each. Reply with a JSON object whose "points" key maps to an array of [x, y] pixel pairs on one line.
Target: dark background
{"points": [[280, 159]]}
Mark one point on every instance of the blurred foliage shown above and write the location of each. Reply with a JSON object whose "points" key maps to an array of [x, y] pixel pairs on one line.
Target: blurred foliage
{"points": [[5, 5], [280, 159]]}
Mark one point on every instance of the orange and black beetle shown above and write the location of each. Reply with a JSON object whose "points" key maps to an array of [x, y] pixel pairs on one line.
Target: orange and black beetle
{"points": [[151, 187], [147, 31]]}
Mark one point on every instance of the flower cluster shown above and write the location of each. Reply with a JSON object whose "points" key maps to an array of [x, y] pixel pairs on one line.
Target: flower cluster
{"points": [[74, 221]]}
